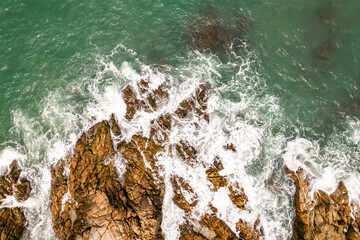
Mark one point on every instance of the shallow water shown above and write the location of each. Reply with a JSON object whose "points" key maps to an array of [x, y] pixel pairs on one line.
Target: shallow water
{"points": [[63, 66]]}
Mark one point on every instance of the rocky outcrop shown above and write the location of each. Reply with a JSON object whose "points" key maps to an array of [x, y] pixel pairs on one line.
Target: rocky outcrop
{"points": [[91, 199], [143, 98], [12, 220], [91, 203], [322, 216]]}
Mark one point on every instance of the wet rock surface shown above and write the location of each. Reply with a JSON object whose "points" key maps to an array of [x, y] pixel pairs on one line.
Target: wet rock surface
{"points": [[92, 200], [214, 177], [91, 203], [12, 220], [322, 216]]}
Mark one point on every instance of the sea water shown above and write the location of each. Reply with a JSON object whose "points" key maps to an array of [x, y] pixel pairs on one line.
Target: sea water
{"points": [[64, 63]]}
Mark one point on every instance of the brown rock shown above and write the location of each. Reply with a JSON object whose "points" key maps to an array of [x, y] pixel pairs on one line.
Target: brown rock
{"points": [[131, 101], [147, 100], [325, 217], [114, 126], [215, 224], [12, 220], [230, 147], [98, 206], [195, 105], [246, 231], [161, 128], [237, 196], [187, 232], [179, 187], [12, 223], [186, 152], [214, 177]]}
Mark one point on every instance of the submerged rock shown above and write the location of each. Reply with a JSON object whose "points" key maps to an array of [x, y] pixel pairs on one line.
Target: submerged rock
{"points": [[12, 220], [322, 216], [210, 33], [326, 49]]}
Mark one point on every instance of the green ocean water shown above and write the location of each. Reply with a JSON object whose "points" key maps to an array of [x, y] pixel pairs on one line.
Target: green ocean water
{"points": [[52, 53]]}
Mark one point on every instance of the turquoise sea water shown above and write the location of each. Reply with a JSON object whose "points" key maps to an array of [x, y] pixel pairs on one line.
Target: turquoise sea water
{"points": [[59, 58]]}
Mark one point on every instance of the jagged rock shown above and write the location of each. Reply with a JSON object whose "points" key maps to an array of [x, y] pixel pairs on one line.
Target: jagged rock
{"points": [[187, 232], [179, 187], [186, 151], [238, 196], [195, 105], [146, 100], [230, 147], [322, 216], [12, 223], [214, 177], [215, 224], [113, 125], [131, 101], [91, 203], [12, 220], [161, 128], [246, 231]]}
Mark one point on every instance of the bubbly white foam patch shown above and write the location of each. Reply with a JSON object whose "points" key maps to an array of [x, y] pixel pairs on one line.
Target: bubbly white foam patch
{"points": [[302, 153], [7, 156]]}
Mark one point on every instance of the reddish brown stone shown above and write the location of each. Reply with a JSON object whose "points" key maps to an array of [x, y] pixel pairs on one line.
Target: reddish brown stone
{"points": [[179, 187], [12, 220], [237, 196], [323, 216], [214, 177]]}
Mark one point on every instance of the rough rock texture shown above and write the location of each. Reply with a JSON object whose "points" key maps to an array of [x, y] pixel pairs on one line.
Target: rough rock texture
{"points": [[143, 98], [238, 196], [181, 188], [188, 233], [218, 226], [96, 204], [12, 220], [195, 105], [90, 200], [214, 177], [322, 216]]}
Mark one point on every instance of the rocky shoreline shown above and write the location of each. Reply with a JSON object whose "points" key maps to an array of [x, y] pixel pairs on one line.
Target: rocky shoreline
{"points": [[92, 199]]}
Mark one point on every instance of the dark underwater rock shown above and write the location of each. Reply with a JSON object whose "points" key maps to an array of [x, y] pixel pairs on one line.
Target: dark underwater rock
{"points": [[326, 49]]}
